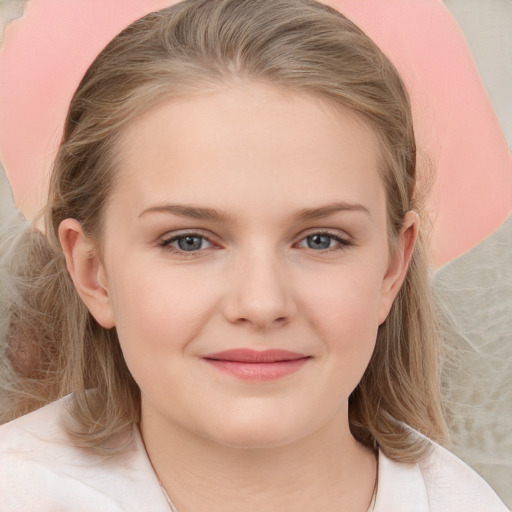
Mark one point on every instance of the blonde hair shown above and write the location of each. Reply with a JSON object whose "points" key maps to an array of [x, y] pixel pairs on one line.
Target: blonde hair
{"points": [[300, 45]]}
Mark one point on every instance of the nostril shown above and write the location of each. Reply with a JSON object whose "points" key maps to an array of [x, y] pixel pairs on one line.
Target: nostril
{"points": [[260, 306]]}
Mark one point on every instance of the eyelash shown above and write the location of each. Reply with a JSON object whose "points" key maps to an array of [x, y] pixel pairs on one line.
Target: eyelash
{"points": [[166, 243], [343, 242]]}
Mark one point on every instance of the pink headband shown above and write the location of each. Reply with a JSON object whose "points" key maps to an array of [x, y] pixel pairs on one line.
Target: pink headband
{"points": [[47, 51]]}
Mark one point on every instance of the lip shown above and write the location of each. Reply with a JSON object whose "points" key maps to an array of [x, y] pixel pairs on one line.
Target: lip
{"points": [[257, 365]]}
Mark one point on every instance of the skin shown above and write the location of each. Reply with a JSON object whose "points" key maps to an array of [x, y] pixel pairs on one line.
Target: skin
{"points": [[260, 156]]}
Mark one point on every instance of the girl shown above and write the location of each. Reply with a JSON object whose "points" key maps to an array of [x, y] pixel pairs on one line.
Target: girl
{"points": [[230, 306]]}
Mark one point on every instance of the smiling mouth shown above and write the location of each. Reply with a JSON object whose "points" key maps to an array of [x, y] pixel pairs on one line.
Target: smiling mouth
{"points": [[247, 364]]}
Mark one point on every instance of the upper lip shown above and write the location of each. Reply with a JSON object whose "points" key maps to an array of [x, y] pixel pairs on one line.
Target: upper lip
{"points": [[246, 355]]}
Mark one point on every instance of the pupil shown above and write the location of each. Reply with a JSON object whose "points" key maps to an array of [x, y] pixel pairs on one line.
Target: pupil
{"points": [[319, 241], [190, 243]]}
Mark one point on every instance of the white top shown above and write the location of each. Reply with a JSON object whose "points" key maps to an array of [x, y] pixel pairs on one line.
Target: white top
{"points": [[41, 472]]}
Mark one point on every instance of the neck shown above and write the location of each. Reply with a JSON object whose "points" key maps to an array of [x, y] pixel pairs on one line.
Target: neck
{"points": [[327, 470]]}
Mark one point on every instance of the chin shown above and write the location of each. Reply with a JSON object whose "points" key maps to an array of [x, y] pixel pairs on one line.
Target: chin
{"points": [[259, 431]]}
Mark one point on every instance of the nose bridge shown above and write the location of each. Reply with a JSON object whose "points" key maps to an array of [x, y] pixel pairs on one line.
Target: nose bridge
{"points": [[259, 288]]}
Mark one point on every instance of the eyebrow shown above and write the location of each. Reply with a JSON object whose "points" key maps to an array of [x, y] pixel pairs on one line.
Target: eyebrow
{"points": [[189, 211], [199, 213], [329, 209]]}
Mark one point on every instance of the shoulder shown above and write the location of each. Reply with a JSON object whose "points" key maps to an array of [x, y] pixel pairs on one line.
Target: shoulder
{"points": [[43, 421], [439, 483], [41, 469], [32, 436], [452, 483]]}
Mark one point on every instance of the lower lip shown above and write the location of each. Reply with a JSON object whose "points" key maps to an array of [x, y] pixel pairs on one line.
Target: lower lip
{"points": [[259, 371]]}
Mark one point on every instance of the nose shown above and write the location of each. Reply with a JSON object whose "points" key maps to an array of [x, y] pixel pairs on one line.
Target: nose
{"points": [[259, 292]]}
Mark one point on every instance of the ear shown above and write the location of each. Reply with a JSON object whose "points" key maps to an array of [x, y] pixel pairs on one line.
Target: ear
{"points": [[398, 263], [86, 271]]}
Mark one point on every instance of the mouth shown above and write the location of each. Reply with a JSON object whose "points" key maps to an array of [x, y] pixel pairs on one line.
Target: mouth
{"points": [[247, 364]]}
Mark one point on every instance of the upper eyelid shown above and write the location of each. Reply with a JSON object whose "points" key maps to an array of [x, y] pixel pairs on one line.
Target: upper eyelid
{"points": [[172, 235], [334, 233], [327, 231], [201, 232]]}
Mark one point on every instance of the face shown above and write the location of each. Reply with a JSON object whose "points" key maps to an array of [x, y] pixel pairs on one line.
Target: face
{"points": [[245, 263]]}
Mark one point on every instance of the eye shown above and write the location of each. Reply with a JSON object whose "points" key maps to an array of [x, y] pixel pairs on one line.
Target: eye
{"points": [[186, 243], [323, 241]]}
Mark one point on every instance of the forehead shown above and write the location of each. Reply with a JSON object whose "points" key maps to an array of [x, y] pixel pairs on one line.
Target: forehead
{"points": [[254, 144]]}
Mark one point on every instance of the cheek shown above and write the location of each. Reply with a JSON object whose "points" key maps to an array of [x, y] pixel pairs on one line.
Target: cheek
{"points": [[159, 309], [343, 298], [343, 309]]}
